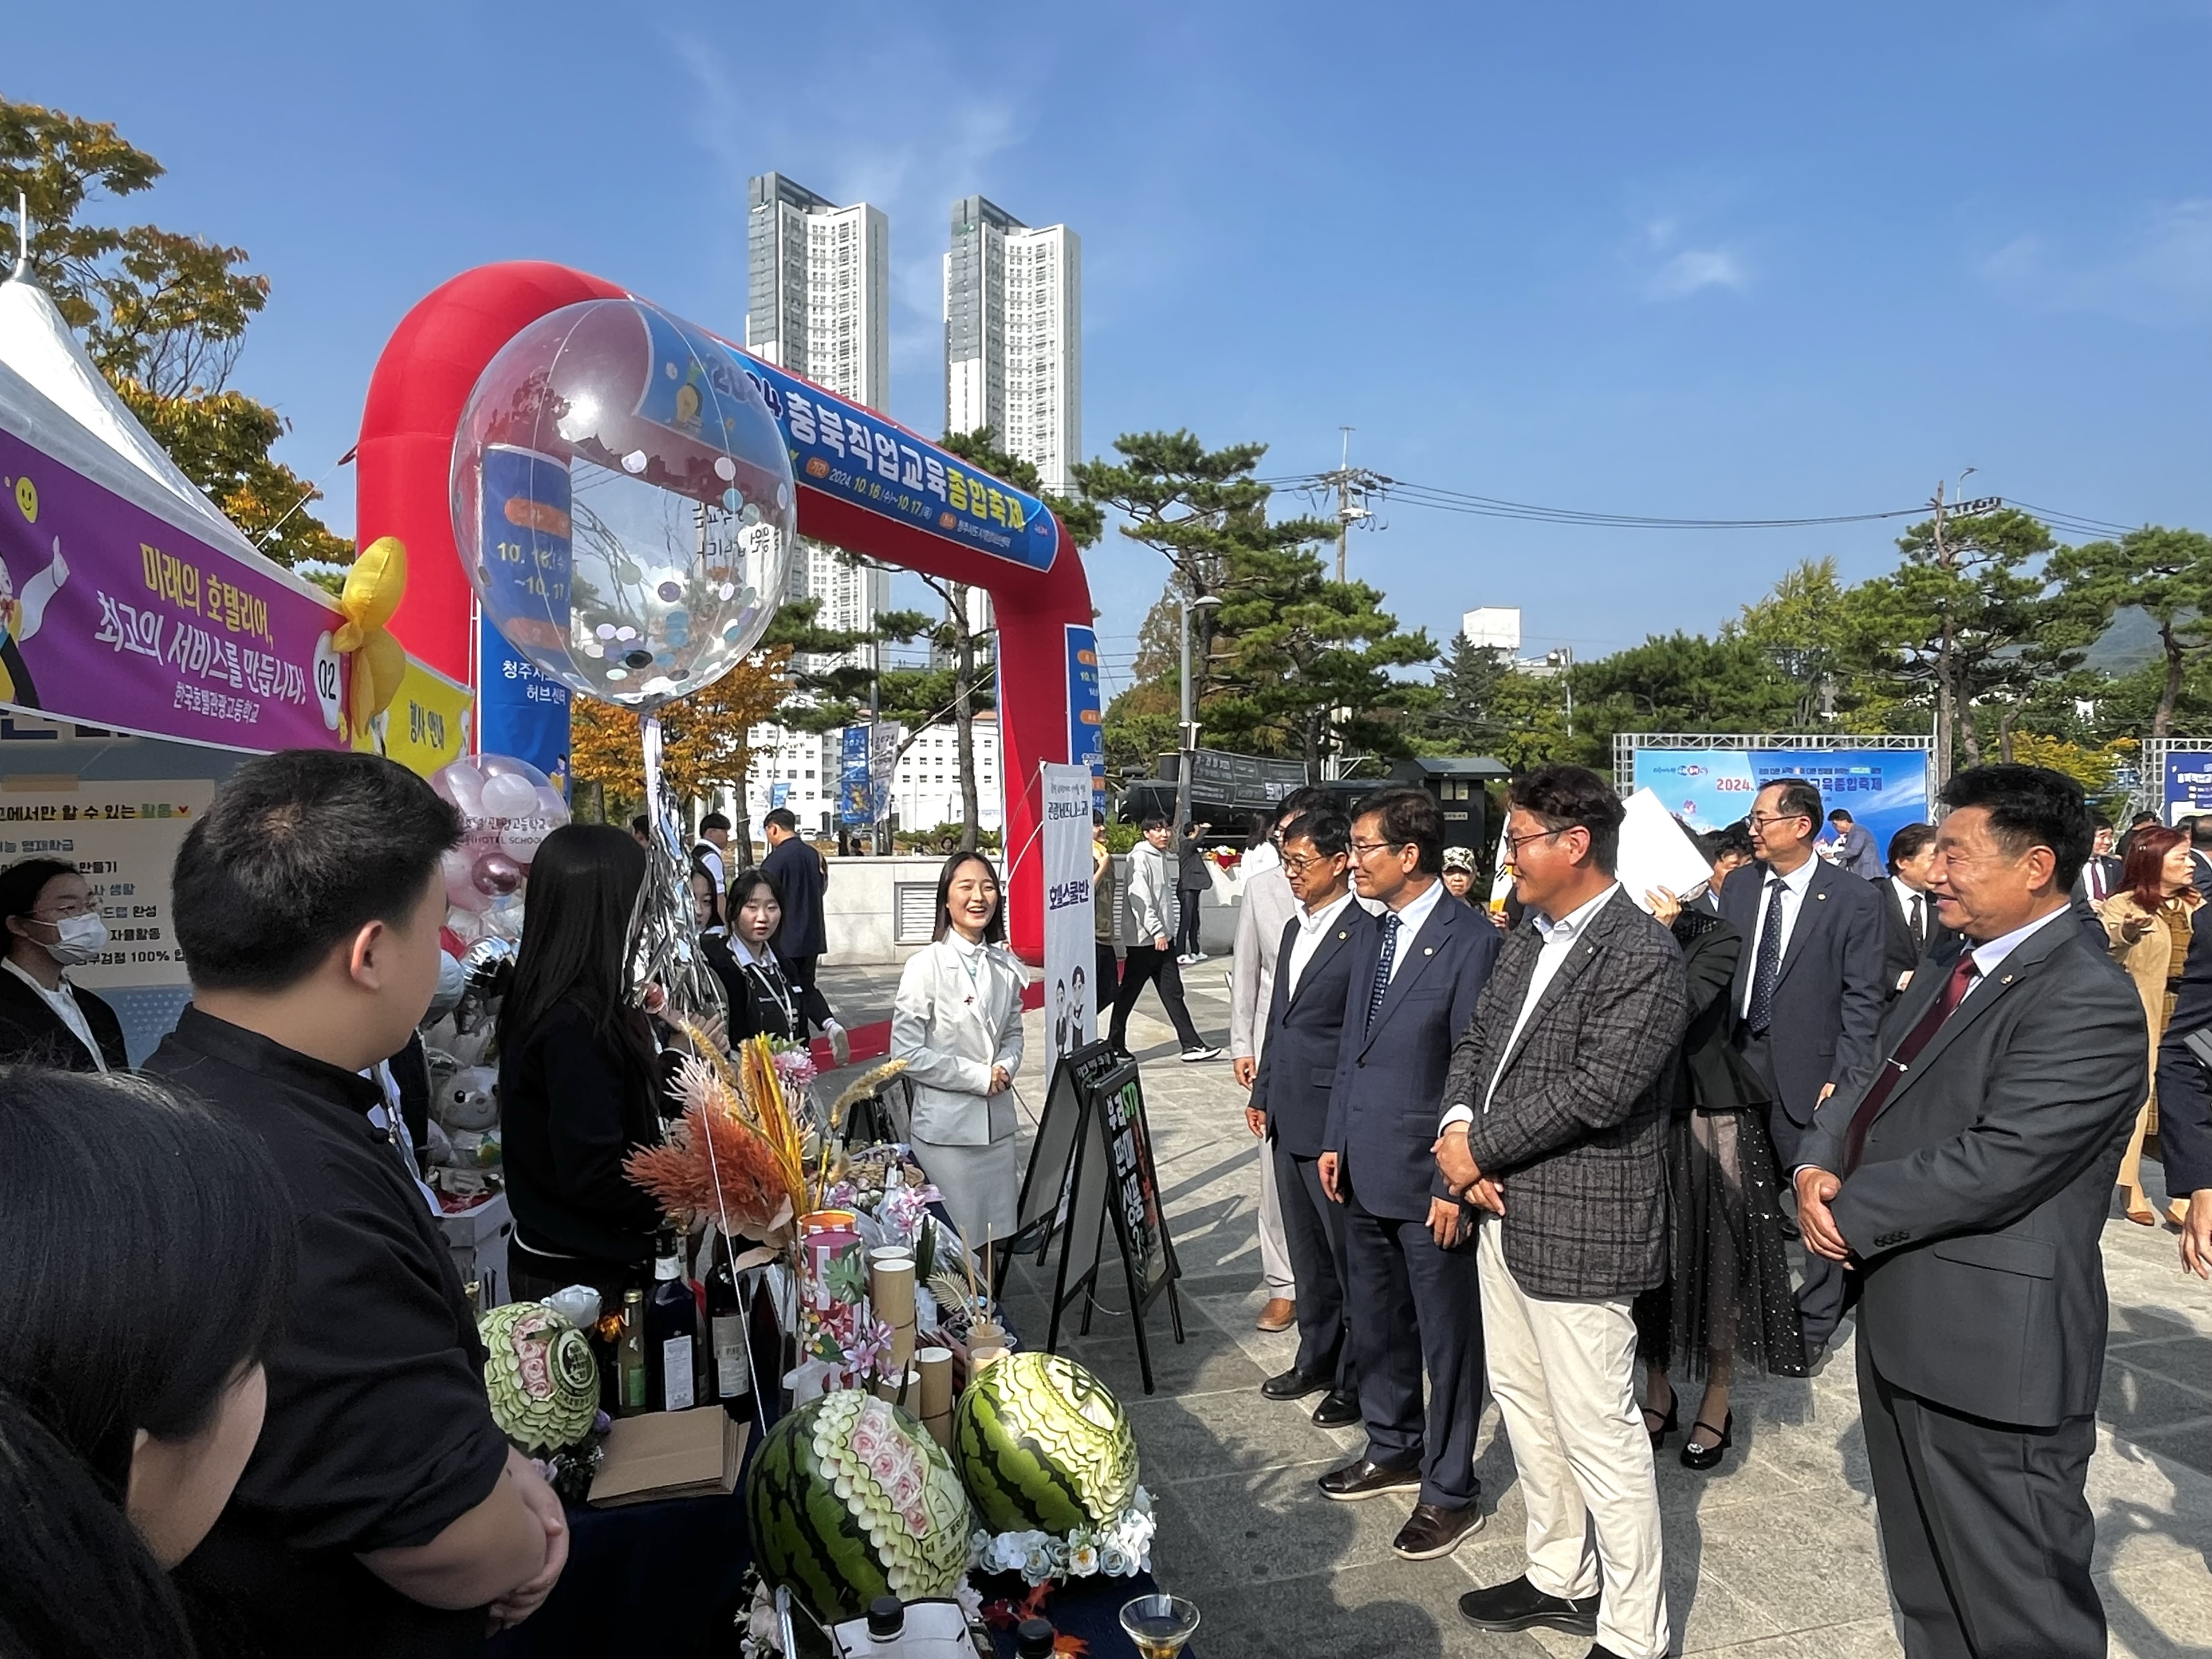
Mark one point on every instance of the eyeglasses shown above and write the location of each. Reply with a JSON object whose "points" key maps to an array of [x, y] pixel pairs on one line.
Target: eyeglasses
{"points": [[1513, 842], [1299, 866], [64, 909], [1360, 850], [1778, 817]]}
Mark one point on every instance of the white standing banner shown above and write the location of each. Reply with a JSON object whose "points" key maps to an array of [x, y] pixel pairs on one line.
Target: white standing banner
{"points": [[125, 837], [1071, 1001]]}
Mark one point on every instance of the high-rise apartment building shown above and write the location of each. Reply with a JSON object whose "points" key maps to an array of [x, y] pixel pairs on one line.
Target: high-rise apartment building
{"points": [[819, 290], [1013, 335], [818, 303]]}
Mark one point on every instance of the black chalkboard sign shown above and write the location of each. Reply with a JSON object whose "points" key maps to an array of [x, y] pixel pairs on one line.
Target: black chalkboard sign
{"points": [[1092, 1159]]}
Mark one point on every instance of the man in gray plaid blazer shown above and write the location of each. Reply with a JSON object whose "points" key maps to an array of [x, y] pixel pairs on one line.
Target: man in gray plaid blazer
{"points": [[1554, 1115]]}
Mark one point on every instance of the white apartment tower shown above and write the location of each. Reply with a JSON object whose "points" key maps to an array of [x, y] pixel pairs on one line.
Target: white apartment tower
{"points": [[1013, 335], [819, 304]]}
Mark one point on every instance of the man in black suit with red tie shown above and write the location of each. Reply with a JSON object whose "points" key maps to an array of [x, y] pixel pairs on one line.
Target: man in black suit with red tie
{"points": [[1967, 1184], [1912, 930]]}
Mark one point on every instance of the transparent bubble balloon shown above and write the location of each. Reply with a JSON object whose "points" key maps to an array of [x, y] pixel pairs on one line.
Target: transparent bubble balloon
{"points": [[624, 501]]}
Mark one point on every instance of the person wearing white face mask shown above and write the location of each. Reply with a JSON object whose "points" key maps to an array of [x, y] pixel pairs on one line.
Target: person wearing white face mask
{"points": [[53, 923]]}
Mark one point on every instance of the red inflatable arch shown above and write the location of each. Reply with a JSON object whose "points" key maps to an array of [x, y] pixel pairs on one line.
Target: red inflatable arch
{"points": [[1007, 543]]}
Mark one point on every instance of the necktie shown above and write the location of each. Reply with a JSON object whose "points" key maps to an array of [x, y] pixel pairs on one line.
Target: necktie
{"points": [[1954, 992], [1920, 920], [1760, 1014], [1382, 968]]}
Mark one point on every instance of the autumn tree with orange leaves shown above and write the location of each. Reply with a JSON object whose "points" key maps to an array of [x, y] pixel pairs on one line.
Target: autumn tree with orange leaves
{"points": [[706, 738]]}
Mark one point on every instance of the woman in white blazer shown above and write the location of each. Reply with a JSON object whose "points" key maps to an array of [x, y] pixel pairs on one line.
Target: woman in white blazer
{"points": [[957, 1024]]}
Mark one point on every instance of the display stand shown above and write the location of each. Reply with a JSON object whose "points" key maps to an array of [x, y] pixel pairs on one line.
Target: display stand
{"points": [[1093, 1158]]}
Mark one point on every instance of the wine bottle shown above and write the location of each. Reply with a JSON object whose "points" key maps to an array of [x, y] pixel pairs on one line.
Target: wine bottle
{"points": [[630, 1355], [728, 1333], [671, 1332]]}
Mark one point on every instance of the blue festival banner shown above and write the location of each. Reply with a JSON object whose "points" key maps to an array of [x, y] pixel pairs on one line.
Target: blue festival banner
{"points": [[2187, 783], [1086, 717], [521, 710], [842, 449], [1882, 789], [852, 802]]}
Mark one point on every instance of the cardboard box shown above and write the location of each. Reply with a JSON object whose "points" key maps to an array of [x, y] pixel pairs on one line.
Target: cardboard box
{"points": [[664, 1455]]}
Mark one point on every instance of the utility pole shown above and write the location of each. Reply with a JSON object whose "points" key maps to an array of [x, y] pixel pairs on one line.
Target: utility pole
{"points": [[1353, 485], [1946, 702]]}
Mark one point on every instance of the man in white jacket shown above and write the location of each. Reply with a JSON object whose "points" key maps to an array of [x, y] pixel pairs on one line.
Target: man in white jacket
{"points": [[1267, 905], [1152, 911]]}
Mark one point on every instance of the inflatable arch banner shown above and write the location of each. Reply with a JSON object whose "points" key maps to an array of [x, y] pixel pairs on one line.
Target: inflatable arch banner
{"points": [[865, 483]]}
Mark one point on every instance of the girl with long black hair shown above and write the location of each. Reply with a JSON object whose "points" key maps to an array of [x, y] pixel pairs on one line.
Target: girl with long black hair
{"points": [[579, 1074], [957, 1024], [148, 1250]]}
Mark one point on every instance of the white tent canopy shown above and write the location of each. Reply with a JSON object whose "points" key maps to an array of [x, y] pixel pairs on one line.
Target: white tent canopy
{"points": [[53, 399]]}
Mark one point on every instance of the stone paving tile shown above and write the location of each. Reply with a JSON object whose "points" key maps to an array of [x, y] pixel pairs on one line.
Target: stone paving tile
{"points": [[1390, 1610]]}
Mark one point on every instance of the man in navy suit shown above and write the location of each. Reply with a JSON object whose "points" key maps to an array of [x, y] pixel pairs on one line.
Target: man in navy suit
{"points": [[1416, 972], [1304, 1034], [800, 877], [1808, 994]]}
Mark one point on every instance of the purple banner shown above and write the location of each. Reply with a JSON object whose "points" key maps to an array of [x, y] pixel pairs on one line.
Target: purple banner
{"points": [[112, 616]]}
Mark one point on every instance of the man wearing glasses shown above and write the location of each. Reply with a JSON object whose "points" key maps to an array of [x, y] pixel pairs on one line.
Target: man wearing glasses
{"points": [[1809, 991], [1553, 1121], [1416, 969]]}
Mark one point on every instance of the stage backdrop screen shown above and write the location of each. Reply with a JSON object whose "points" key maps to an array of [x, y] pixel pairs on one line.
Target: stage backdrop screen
{"points": [[1884, 789]]}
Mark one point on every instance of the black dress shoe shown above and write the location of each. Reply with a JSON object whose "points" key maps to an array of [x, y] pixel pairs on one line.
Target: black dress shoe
{"points": [[1365, 1479], [1293, 1384], [1339, 1410], [1598, 1651], [1519, 1605], [1432, 1531], [1701, 1458]]}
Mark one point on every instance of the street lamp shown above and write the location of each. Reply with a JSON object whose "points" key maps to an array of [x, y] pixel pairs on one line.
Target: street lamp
{"points": [[1204, 602]]}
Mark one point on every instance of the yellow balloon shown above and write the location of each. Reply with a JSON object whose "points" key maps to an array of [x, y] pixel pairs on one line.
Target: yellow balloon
{"points": [[374, 588]]}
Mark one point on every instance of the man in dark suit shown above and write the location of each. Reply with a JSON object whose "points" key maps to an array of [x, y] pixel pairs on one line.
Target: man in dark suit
{"points": [[1416, 971], [1853, 851], [1967, 1186], [1808, 992], [1298, 1052], [2100, 872], [1554, 1122], [1910, 929], [796, 870]]}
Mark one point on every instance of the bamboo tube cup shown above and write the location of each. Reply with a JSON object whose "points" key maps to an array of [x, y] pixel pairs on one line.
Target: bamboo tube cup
{"points": [[891, 1294], [934, 1366]]}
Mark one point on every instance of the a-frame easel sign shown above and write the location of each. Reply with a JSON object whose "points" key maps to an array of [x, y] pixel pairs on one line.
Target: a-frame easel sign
{"points": [[1092, 1159]]}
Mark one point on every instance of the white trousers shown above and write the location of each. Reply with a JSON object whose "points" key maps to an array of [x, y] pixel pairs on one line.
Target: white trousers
{"points": [[1564, 1375], [1274, 1248]]}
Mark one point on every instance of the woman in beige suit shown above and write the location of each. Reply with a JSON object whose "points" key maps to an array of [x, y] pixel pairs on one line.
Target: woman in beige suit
{"points": [[957, 1024], [2148, 919]]}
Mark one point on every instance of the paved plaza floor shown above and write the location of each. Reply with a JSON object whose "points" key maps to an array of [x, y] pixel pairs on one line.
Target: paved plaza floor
{"points": [[1772, 1557]]}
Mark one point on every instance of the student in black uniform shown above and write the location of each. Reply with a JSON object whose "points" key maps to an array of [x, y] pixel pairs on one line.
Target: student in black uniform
{"points": [[772, 1001], [53, 924], [382, 1513]]}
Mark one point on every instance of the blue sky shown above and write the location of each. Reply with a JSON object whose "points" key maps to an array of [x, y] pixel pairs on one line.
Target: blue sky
{"points": [[1699, 260]]}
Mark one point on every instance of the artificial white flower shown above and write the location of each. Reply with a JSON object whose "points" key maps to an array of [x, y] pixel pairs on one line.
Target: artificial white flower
{"points": [[1115, 1562], [1082, 1560]]}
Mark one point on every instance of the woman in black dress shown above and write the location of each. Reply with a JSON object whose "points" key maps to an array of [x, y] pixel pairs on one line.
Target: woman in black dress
{"points": [[580, 1074], [1728, 1296]]}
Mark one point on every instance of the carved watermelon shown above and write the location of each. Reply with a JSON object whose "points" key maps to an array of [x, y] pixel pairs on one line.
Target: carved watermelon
{"points": [[849, 1499], [1043, 1446], [542, 1378]]}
